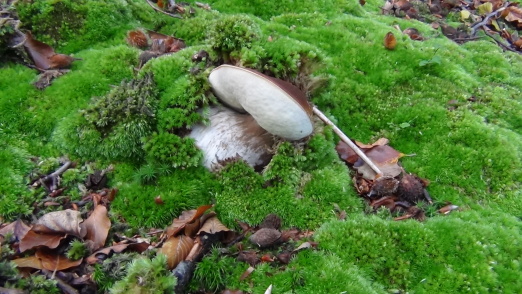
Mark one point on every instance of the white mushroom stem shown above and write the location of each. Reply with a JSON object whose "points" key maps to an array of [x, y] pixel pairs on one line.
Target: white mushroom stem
{"points": [[347, 140]]}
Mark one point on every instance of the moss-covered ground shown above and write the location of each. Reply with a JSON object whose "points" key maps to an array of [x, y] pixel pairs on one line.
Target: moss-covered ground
{"points": [[469, 149]]}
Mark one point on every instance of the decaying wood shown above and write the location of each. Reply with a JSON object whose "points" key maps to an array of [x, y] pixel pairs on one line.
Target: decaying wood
{"points": [[347, 141]]}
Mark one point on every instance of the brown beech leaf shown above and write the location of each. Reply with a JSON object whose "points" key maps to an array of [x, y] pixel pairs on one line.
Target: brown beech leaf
{"points": [[346, 153], [513, 14], [212, 226], [379, 142], [176, 249], [48, 261], [390, 42], [385, 157], [102, 253], [96, 227], [33, 239], [63, 221], [186, 217], [44, 56], [17, 228]]}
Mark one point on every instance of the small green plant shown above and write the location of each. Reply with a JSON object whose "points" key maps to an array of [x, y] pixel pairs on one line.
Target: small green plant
{"points": [[146, 276], [435, 59], [77, 250]]}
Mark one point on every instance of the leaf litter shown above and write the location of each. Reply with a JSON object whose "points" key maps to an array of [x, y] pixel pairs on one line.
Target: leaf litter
{"points": [[396, 190], [498, 20]]}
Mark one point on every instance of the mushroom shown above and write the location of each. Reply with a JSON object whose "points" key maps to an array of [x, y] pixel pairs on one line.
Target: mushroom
{"points": [[277, 106], [261, 107], [232, 135]]}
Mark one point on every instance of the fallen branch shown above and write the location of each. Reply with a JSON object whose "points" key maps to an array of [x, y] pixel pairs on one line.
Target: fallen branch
{"points": [[485, 21], [53, 177], [347, 140], [164, 12], [500, 43]]}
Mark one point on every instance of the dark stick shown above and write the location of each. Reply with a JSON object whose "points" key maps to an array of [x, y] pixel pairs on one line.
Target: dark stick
{"points": [[68, 289], [477, 25]]}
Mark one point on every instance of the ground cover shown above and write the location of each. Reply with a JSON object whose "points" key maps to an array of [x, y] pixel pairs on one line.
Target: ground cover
{"points": [[457, 107]]}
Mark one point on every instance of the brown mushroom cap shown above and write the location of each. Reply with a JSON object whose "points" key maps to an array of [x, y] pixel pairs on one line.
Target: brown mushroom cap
{"points": [[277, 106]]}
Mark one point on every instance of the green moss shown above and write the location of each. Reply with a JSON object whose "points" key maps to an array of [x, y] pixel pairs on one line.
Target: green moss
{"points": [[301, 199], [113, 126], [180, 190], [15, 197], [439, 256], [146, 276]]}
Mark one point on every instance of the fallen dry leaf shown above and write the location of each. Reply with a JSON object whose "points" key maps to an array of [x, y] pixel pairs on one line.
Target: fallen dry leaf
{"points": [[176, 249], [390, 42], [213, 226], [48, 261], [513, 14], [17, 229], [33, 239], [103, 253], [186, 217], [63, 221], [96, 227], [44, 56]]}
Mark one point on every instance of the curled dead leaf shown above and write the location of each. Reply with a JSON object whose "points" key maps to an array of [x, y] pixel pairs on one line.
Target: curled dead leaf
{"points": [[186, 217], [17, 229], [176, 249], [63, 221], [390, 42], [96, 227], [44, 56]]}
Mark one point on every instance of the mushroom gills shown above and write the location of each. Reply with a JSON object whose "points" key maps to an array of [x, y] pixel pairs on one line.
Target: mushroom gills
{"points": [[277, 106], [232, 135]]}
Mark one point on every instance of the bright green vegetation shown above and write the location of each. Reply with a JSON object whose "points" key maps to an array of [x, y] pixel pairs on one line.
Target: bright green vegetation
{"points": [[471, 151]]}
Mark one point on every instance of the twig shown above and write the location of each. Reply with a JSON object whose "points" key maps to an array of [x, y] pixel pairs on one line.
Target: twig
{"points": [[53, 177], [164, 12], [347, 140], [68, 289], [501, 44], [477, 25]]}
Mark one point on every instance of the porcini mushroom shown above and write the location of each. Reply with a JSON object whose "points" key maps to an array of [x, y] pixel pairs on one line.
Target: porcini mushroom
{"points": [[232, 135], [277, 106], [263, 107]]}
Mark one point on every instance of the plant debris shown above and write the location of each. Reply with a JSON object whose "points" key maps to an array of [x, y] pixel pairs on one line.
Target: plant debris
{"points": [[499, 20], [396, 190]]}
